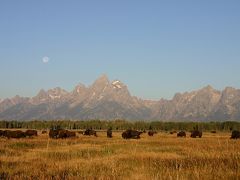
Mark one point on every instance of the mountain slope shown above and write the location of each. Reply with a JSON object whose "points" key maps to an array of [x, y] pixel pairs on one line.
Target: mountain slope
{"points": [[112, 100]]}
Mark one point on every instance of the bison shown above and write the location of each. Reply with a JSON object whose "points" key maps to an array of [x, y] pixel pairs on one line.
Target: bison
{"points": [[235, 134], [1, 133], [151, 133], [31, 133], [196, 133], [71, 134], [60, 133], [14, 134], [66, 134], [53, 133], [90, 132], [109, 133], [181, 134], [44, 132], [131, 134]]}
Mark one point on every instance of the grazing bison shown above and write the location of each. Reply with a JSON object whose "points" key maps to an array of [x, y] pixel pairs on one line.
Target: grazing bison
{"points": [[71, 134], [90, 132], [14, 134], [31, 133], [60, 133], [151, 133], [53, 133], [235, 134], [214, 132], [131, 134], [181, 134], [1, 133], [44, 132], [109, 133], [196, 133], [66, 134]]}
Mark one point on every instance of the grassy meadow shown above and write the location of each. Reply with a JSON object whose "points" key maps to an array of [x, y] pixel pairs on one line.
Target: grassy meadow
{"points": [[163, 156]]}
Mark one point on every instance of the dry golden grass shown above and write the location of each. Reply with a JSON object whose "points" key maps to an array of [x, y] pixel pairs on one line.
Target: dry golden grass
{"points": [[163, 156]]}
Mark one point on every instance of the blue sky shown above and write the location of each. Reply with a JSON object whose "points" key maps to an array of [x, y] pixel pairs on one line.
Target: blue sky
{"points": [[156, 47]]}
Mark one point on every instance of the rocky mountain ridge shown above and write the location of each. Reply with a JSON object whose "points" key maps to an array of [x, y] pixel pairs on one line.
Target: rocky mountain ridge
{"points": [[112, 100]]}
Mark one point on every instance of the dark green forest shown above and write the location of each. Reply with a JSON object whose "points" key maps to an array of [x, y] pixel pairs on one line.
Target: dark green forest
{"points": [[122, 125]]}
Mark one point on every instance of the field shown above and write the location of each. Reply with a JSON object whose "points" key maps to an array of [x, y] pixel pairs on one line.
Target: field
{"points": [[162, 156]]}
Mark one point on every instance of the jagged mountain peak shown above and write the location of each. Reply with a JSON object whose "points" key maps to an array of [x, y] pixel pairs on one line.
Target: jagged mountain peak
{"points": [[16, 97], [208, 88], [79, 89], [80, 85], [208, 91], [229, 89], [41, 93], [54, 94], [57, 91], [230, 94], [106, 99], [102, 80]]}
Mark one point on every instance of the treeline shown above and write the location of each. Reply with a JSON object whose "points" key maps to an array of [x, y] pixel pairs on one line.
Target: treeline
{"points": [[122, 125]]}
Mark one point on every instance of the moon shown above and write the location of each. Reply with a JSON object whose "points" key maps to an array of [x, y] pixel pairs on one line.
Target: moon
{"points": [[45, 59]]}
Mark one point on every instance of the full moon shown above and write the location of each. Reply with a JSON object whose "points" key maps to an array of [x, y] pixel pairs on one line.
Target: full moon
{"points": [[45, 59]]}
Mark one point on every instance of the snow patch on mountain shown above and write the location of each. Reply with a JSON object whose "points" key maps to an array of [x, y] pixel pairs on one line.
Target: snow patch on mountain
{"points": [[116, 84], [54, 96]]}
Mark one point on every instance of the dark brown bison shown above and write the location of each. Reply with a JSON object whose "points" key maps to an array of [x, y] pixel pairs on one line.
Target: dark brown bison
{"points": [[173, 132], [214, 132], [60, 133], [44, 132], [90, 132], [109, 133], [71, 134], [31, 133], [53, 133], [151, 133], [235, 134], [66, 134], [14, 134], [131, 134], [196, 133], [181, 134], [1, 133]]}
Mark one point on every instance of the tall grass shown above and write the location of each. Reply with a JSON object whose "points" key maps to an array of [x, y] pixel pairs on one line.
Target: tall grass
{"points": [[163, 156]]}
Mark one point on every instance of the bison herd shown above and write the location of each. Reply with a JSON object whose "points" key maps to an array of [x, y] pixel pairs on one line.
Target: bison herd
{"points": [[61, 133], [17, 133], [128, 134], [131, 134]]}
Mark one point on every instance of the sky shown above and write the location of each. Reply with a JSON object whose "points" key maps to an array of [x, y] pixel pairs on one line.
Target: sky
{"points": [[157, 47]]}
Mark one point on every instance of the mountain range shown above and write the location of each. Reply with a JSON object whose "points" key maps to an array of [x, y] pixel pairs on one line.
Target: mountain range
{"points": [[112, 100]]}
